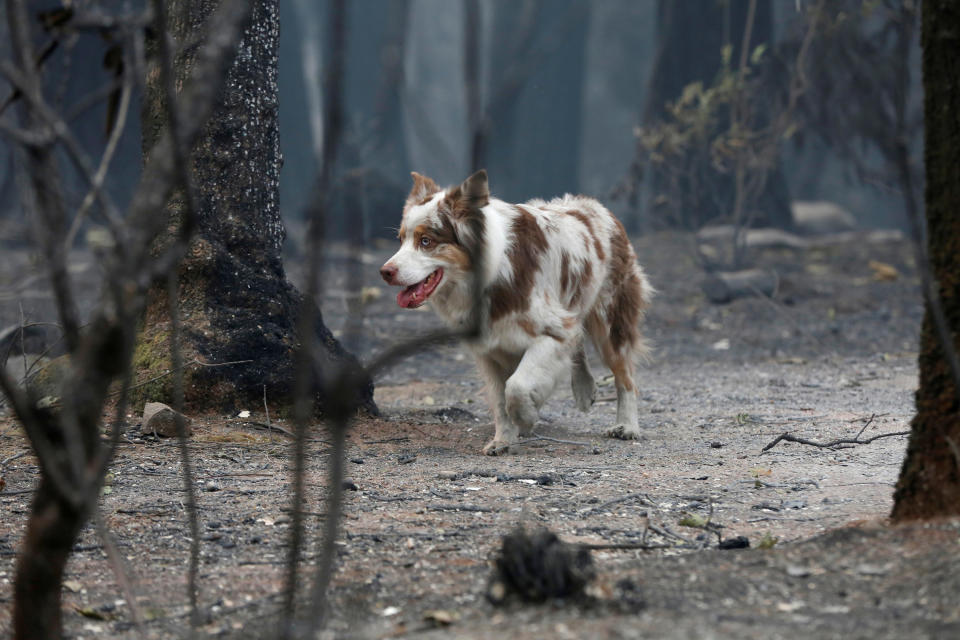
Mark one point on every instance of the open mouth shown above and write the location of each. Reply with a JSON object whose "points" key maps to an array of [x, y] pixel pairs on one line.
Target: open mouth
{"points": [[416, 294]]}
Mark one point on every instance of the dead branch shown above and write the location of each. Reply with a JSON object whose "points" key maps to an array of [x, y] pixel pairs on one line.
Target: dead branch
{"points": [[832, 444], [642, 497]]}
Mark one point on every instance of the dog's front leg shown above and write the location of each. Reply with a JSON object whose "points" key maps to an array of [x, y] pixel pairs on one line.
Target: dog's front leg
{"points": [[505, 431], [533, 381]]}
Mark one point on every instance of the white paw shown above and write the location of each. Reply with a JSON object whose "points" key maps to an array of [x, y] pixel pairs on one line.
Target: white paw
{"points": [[496, 448], [624, 432]]}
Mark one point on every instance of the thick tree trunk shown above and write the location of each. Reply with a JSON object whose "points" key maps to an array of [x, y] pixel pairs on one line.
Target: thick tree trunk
{"points": [[929, 483], [690, 36], [236, 303]]}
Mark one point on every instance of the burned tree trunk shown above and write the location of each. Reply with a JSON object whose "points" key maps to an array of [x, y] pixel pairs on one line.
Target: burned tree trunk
{"points": [[929, 483], [236, 304]]}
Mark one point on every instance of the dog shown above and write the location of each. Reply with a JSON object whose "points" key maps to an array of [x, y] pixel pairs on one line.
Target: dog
{"points": [[548, 273]]}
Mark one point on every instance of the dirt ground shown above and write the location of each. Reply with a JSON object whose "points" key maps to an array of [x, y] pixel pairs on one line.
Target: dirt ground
{"points": [[833, 354]]}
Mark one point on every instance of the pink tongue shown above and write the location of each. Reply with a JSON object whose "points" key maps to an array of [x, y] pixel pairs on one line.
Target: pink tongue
{"points": [[411, 296]]}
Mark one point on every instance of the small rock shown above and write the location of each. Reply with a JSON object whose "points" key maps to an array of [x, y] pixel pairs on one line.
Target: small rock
{"points": [[739, 542], [821, 217], [873, 570], [283, 519], [716, 444], [796, 571], [160, 419], [447, 475], [348, 484], [406, 458], [596, 451], [211, 486], [356, 460]]}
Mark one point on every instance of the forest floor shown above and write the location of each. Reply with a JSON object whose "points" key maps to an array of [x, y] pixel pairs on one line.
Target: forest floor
{"points": [[832, 355]]}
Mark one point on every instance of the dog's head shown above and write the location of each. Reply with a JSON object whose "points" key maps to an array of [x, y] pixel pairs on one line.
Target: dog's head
{"points": [[439, 236]]}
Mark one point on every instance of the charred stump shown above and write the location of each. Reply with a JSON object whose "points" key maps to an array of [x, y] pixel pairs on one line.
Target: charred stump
{"points": [[235, 301], [929, 484]]}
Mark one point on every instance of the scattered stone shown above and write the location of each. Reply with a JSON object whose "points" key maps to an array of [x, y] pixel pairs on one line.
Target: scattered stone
{"points": [[448, 475], [406, 458], [873, 569], [441, 617], [356, 460], [796, 571], [739, 542], [596, 451], [348, 484], [716, 444], [820, 217], [160, 419], [211, 486], [723, 286]]}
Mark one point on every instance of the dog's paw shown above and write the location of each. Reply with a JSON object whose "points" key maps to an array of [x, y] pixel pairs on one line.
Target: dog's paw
{"points": [[624, 432], [496, 448]]}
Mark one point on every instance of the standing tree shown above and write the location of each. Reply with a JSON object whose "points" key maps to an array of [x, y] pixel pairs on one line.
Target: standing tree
{"points": [[64, 426], [533, 98], [236, 304], [701, 44], [929, 483]]}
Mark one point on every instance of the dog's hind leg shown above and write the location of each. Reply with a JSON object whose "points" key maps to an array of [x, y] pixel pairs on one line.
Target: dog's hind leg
{"points": [[621, 363], [581, 380]]}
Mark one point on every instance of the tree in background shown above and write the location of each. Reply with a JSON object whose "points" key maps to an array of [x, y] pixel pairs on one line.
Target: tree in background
{"points": [[64, 425], [703, 111], [929, 484], [533, 97], [236, 304]]}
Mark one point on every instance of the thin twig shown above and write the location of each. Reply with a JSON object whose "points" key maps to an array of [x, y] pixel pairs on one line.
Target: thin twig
{"points": [[120, 569]]}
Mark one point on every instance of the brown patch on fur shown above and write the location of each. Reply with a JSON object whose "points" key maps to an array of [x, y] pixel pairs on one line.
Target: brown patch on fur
{"points": [[550, 332], [402, 231], [446, 242], [585, 221], [625, 308], [524, 253], [569, 323], [527, 325], [422, 190], [455, 255], [564, 272], [581, 282], [619, 364]]}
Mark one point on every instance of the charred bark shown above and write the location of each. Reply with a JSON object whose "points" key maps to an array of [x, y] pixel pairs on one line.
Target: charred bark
{"points": [[236, 304], [929, 484]]}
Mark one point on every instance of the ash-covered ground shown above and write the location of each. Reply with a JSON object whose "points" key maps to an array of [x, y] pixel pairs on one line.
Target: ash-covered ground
{"points": [[831, 355]]}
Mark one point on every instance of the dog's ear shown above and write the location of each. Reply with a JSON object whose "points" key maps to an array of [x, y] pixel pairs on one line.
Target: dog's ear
{"points": [[422, 187], [476, 190]]}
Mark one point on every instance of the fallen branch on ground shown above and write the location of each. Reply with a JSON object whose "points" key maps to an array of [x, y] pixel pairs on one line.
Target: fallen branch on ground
{"points": [[833, 444]]}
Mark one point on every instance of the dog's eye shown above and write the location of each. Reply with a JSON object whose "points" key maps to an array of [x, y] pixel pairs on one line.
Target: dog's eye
{"points": [[426, 241]]}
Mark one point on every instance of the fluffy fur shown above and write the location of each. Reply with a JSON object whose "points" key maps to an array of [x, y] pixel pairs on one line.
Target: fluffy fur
{"points": [[550, 272]]}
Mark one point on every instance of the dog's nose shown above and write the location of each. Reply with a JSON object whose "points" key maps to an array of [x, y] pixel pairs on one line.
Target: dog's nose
{"points": [[389, 273]]}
